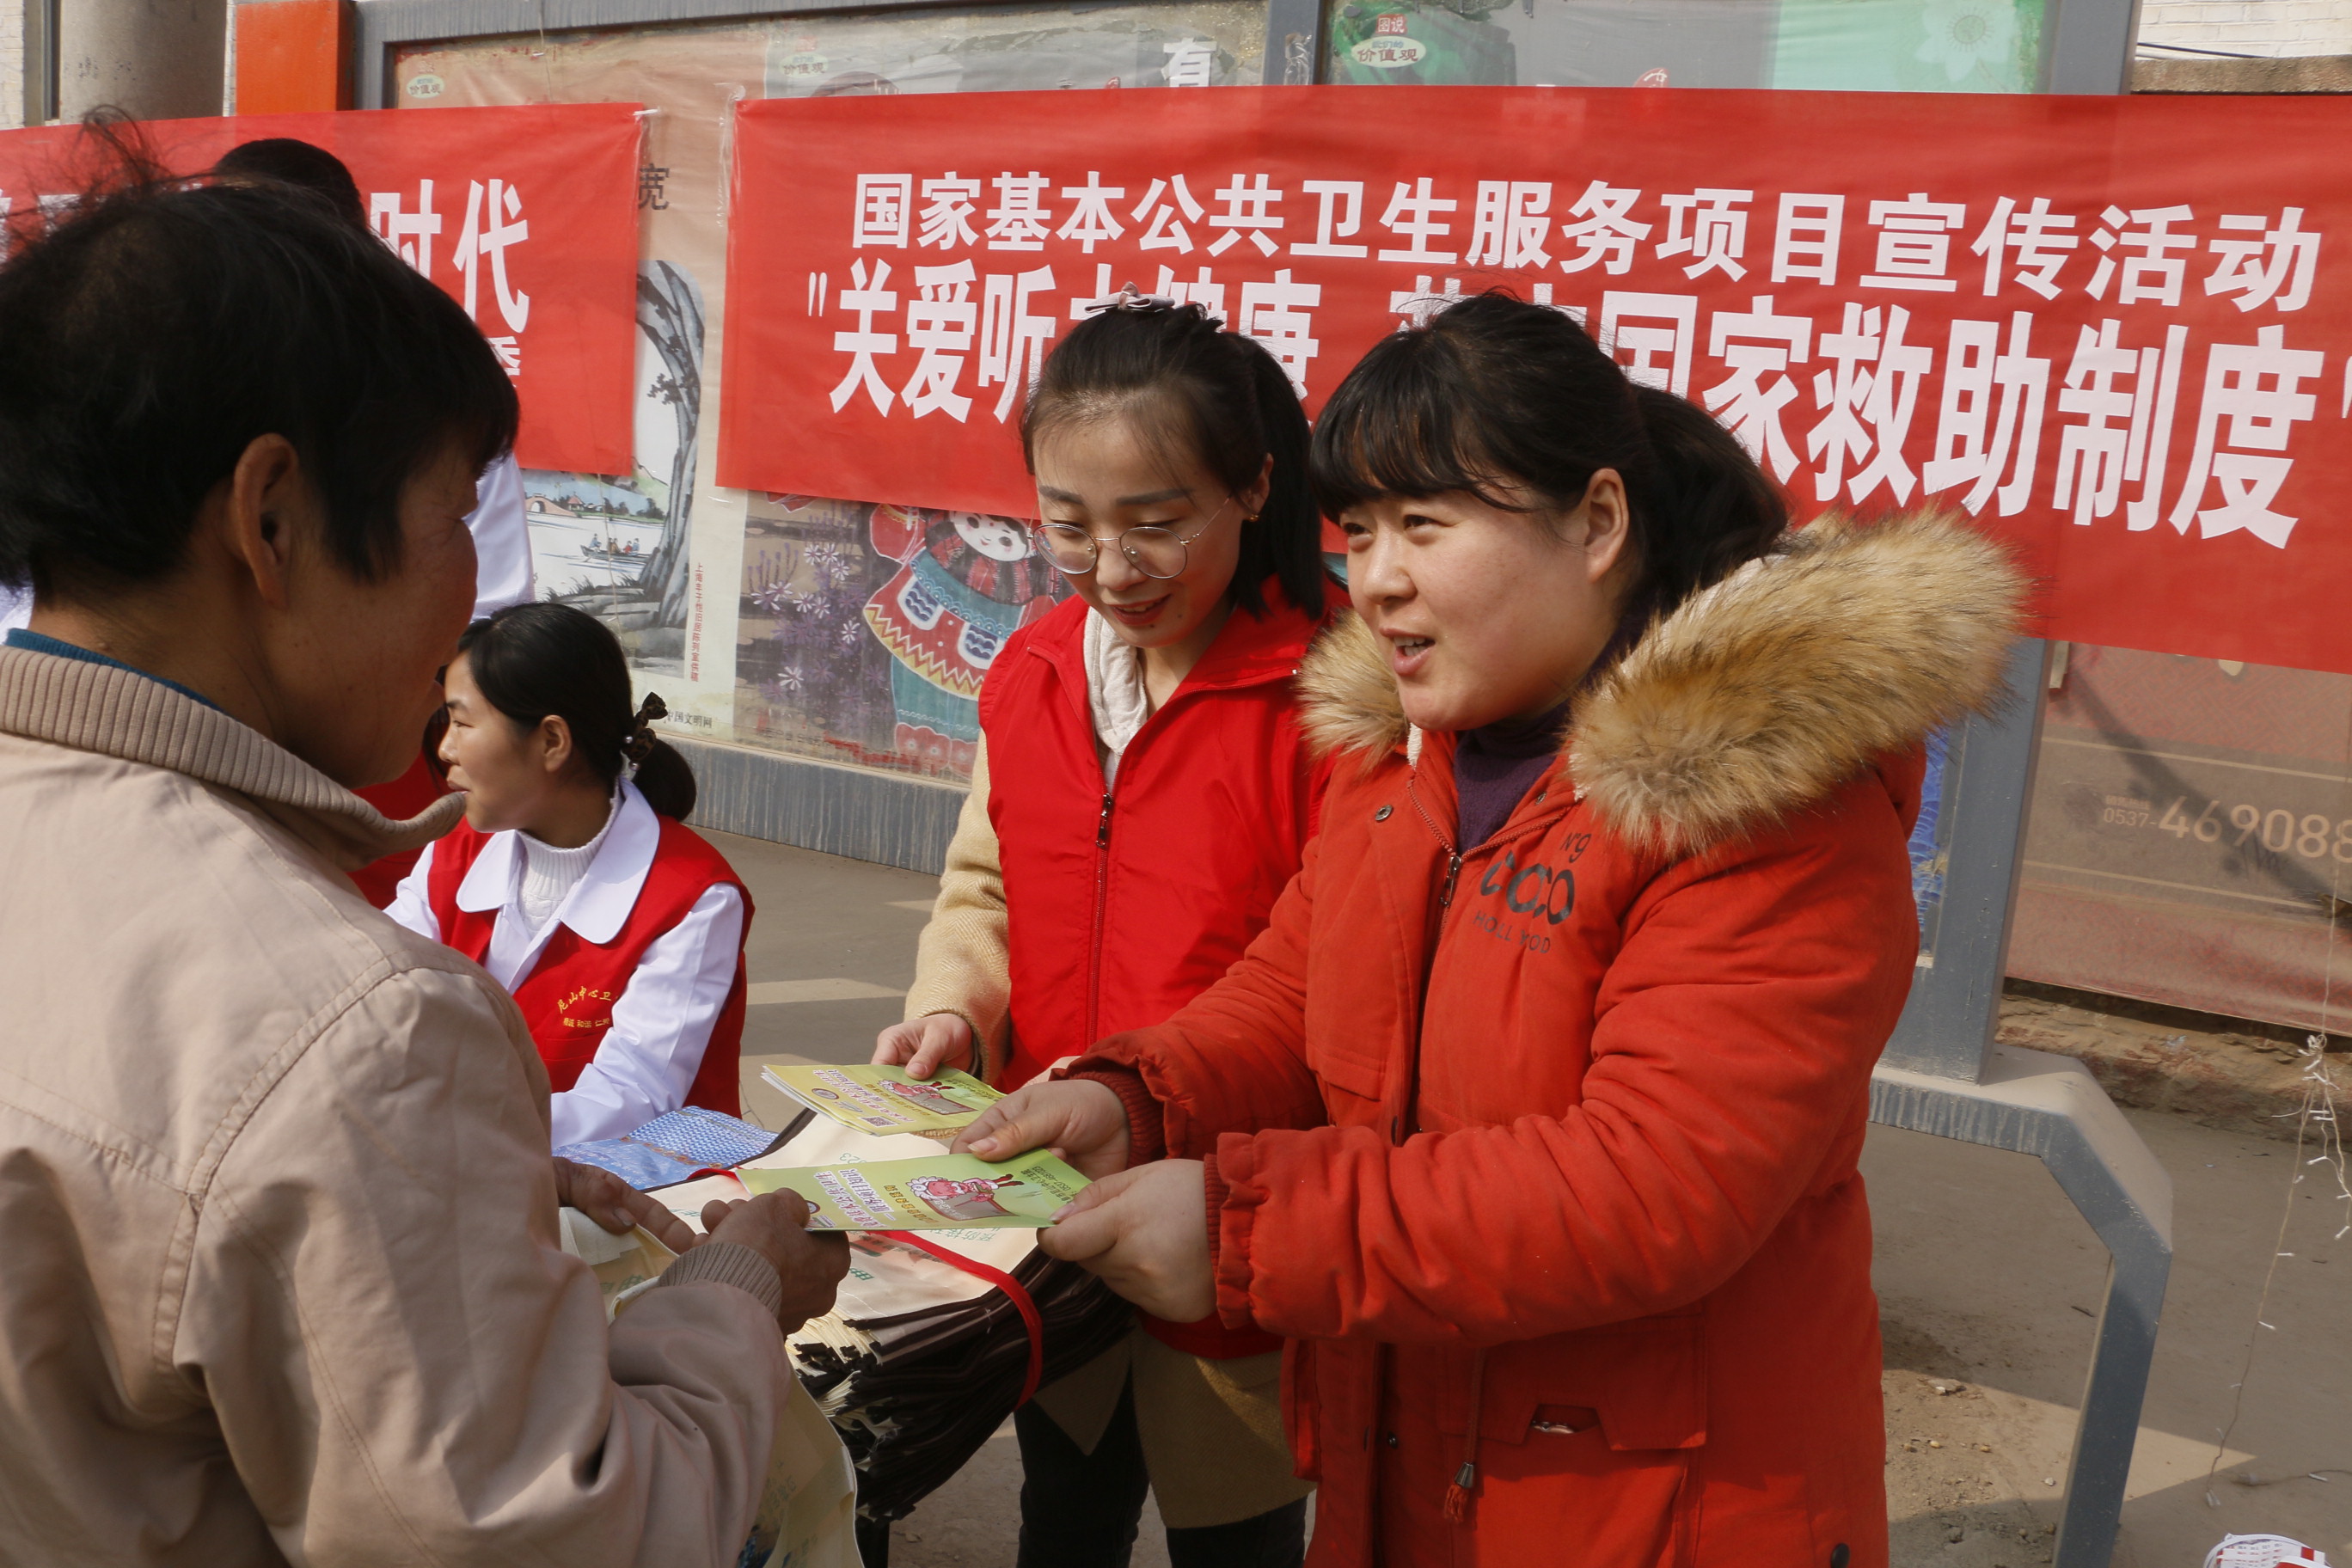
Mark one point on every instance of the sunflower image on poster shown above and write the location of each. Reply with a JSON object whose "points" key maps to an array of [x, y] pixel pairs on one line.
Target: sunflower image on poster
{"points": [[1909, 46], [966, 582]]}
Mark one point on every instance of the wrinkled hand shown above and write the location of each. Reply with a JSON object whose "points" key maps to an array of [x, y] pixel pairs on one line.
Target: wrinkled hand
{"points": [[1145, 1233], [1082, 1121], [618, 1206], [923, 1045], [775, 1225]]}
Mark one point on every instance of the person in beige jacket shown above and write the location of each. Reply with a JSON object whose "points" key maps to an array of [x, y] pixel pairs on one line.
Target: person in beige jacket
{"points": [[279, 1276]]}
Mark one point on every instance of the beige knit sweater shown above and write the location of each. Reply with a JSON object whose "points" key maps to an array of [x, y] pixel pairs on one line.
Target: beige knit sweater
{"points": [[962, 962]]}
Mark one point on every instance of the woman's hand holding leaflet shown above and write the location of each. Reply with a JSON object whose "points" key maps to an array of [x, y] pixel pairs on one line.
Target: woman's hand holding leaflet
{"points": [[925, 1045], [1081, 1121], [1145, 1233]]}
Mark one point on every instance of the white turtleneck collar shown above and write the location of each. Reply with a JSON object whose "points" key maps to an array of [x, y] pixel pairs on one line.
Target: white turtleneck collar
{"points": [[549, 874]]}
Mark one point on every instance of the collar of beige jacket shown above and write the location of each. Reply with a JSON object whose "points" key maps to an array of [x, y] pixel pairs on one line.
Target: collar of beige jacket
{"points": [[121, 713], [598, 905]]}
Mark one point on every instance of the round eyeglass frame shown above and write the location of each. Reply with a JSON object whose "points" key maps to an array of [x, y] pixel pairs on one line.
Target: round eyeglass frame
{"points": [[1183, 544]]}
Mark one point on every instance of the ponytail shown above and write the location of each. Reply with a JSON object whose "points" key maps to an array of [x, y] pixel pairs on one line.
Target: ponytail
{"points": [[1494, 393], [533, 662], [660, 774], [1200, 392], [1710, 510]]}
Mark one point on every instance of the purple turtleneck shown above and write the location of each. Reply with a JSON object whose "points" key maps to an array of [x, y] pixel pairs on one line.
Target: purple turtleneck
{"points": [[1493, 767]]}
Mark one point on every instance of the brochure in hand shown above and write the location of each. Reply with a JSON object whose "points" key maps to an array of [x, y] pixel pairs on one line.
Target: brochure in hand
{"points": [[881, 1099], [948, 1192]]}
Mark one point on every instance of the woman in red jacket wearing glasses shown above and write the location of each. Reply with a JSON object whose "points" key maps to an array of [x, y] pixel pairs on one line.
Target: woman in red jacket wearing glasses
{"points": [[1142, 794]]}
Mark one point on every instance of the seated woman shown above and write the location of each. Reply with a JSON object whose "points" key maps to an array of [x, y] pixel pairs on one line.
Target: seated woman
{"points": [[574, 880]]}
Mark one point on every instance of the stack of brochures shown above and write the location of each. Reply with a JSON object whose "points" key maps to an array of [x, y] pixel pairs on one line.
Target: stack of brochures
{"points": [[919, 1362]]}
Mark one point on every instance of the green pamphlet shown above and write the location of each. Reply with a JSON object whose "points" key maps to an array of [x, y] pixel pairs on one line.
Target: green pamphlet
{"points": [[884, 1099], [947, 1191]]}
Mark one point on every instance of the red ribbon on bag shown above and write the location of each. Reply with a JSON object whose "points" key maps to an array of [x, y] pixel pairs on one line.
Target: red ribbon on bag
{"points": [[1012, 1287], [1002, 1281]]}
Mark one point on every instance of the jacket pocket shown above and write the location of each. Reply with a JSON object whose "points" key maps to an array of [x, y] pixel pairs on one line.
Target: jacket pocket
{"points": [[1645, 1380], [1357, 1080], [1346, 1049]]}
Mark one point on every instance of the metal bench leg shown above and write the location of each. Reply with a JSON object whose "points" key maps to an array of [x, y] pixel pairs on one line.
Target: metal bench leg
{"points": [[2048, 1106]]}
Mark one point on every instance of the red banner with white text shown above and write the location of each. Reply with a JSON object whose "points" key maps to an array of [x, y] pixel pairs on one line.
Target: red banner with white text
{"points": [[2115, 329], [527, 216]]}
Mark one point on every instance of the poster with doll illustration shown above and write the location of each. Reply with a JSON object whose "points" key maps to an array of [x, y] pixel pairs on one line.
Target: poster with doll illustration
{"points": [[966, 582]]}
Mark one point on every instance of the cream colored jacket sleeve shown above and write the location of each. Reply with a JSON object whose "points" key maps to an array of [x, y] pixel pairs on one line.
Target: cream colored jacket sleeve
{"points": [[406, 1366], [963, 964]]}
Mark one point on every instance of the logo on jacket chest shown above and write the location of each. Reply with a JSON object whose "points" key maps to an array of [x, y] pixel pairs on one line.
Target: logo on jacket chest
{"points": [[585, 1008], [1522, 901]]}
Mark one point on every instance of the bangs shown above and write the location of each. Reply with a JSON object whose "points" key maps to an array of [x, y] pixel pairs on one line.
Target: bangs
{"points": [[1400, 425]]}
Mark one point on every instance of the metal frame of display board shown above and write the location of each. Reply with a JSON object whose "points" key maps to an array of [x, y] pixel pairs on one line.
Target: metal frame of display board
{"points": [[1293, 27], [2086, 44], [1942, 1073]]}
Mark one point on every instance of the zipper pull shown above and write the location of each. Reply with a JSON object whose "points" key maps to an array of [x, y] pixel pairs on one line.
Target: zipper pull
{"points": [[1452, 870], [1102, 825]]}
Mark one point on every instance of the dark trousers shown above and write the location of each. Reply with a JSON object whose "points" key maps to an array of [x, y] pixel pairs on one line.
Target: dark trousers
{"points": [[1081, 1509]]}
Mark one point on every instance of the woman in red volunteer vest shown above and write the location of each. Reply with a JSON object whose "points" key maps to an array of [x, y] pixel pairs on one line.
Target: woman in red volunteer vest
{"points": [[1142, 794], [1533, 1117], [574, 882]]}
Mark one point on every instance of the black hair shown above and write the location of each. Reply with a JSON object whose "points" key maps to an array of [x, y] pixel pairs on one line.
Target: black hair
{"points": [[1494, 392], [1217, 396], [536, 662], [151, 339], [298, 163]]}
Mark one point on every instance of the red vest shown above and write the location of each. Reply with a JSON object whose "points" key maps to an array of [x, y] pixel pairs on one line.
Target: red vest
{"points": [[1127, 901], [568, 994]]}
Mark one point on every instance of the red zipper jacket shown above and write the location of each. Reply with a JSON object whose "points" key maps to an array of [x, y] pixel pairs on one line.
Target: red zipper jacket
{"points": [[1544, 1151], [1124, 902]]}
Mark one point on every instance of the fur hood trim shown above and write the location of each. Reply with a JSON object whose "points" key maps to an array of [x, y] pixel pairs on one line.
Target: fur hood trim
{"points": [[1755, 697]]}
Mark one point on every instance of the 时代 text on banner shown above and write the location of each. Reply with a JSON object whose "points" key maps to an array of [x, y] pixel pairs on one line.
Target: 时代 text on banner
{"points": [[2115, 330], [526, 217]]}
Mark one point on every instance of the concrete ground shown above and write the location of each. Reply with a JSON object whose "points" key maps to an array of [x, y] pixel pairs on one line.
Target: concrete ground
{"points": [[1989, 1281]]}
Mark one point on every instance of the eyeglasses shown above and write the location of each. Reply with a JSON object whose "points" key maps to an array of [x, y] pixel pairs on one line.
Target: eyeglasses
{"points": [[1151, 548]]}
